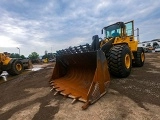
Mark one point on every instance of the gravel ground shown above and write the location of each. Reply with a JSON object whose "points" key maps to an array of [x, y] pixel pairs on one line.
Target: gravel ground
{"points": [[137, 97]]}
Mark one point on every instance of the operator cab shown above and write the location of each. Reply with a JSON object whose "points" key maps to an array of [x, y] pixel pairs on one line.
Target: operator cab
{"points": [[116, 33], [119, 29]]}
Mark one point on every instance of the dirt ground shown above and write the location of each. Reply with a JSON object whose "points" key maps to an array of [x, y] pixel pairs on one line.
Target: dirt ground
{"points": [[28, 97]]}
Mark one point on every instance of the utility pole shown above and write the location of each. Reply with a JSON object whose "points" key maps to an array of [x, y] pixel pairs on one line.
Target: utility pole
{"points": [[19, 50]]}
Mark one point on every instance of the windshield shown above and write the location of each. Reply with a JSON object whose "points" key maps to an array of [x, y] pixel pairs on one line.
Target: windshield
{"points": [[129, 28], [112, 31]]}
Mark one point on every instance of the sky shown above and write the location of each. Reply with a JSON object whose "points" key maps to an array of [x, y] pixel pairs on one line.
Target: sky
{"points": [[51, 25]]}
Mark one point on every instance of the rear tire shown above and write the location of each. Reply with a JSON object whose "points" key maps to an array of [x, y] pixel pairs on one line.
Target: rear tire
{"points": [[139, 58], [16, 68], [119, 61]]}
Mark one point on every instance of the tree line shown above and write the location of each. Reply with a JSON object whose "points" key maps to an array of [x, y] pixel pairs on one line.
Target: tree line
{"points": [[34, 56]]}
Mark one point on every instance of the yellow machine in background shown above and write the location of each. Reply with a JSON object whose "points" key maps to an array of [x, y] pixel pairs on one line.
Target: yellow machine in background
{"points": [[83, 72], [13, 66], [45, 60]]}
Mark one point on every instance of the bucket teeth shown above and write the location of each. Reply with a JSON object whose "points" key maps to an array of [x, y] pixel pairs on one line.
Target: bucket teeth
{"points": [[52, 89], [55, 87], [66, 95], [51, 82], [75, 99], [56, 93], [59, 90]]}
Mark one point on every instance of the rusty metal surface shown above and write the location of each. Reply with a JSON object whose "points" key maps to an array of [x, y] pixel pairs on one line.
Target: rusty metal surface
{"points": [[82, 76]]}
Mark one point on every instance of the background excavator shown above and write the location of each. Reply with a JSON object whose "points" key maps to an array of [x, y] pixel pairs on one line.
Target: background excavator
{"points": [[83, 72], [13, 66]]}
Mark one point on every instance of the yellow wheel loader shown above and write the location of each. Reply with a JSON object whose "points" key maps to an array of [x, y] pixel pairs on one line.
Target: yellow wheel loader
{"points": [[13, 66], [83, 72]]}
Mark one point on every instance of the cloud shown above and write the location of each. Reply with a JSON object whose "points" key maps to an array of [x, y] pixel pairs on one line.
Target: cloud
{"points": [[7, 42], [39, 26]]}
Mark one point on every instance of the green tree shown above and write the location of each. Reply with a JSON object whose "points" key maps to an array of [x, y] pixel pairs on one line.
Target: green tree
{"points": [[14, 55], [33, 56], [23, 57]]}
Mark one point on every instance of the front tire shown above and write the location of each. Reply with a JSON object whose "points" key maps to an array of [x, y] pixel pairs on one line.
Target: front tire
{"points": [[16, 68], [119, 61]]}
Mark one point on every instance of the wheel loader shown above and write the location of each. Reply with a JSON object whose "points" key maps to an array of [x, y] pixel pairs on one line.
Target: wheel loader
{"points": [[83, 72], [13, 66]]}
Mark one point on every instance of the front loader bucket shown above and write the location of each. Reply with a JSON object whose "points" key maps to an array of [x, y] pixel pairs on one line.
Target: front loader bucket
{"points": [[81, 76]]}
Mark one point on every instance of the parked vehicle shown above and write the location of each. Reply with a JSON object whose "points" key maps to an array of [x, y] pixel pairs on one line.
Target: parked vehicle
{"points": [[14, 66], [157, 49]]}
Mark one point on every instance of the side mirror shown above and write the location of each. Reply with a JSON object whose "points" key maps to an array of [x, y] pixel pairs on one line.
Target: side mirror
{"points": [[102, 31]]}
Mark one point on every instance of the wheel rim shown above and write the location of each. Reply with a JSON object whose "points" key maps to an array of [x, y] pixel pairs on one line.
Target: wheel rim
{"points": [[127, 61], [19, 67], [142, 57]]}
